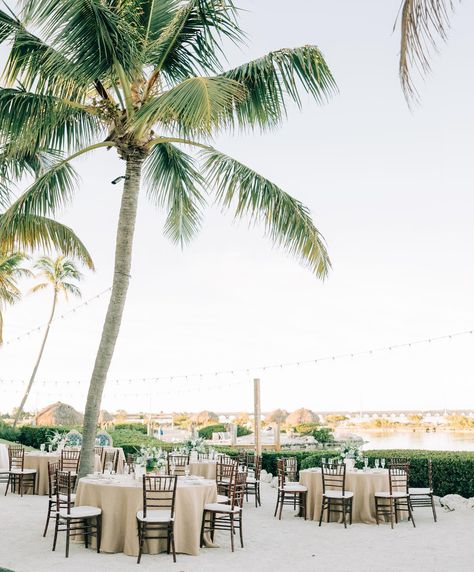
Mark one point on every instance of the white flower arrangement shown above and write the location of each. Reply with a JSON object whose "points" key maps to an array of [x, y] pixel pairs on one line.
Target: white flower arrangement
{"points": [[349, 450], [56, 441], [153, 458], [195, 445]]}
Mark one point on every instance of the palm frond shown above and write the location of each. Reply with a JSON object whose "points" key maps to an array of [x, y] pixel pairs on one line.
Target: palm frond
{"points": [[422, 23], [287, 221], [190, 42], [33, 232], [31, 120], [174, 183], [277, 77], [196, 105]]}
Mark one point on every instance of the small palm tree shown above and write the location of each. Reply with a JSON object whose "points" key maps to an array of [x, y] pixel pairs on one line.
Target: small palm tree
{"points": [[422, 22], [57, 275], [10, 271], [146, 78]]}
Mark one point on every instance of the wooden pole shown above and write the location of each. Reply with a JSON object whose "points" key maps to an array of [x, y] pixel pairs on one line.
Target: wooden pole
{"points": [[256, 415], [276, 436]]}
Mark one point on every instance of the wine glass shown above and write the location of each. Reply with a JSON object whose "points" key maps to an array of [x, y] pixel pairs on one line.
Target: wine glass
{"points": [[382, 463], [42, 447], [186, 471], [172, 468], [323, 461], [50, 448], [377, 463], [366, 463], [108, 468]]}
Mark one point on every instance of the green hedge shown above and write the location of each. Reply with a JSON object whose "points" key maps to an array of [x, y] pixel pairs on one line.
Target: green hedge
{"points": [[131, 441], [206, 432], [7, 432], [453, 472], [139, 427], [35, 436]]}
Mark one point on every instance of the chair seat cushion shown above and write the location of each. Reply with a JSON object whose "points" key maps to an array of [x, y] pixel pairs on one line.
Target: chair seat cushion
{"points": [[63, 498], [338, 494], [295, 488], [419, 491], [252, 480], [155, 516], [222, 499], [80, 512], [394, 495], [23, 471], [225, 508]]}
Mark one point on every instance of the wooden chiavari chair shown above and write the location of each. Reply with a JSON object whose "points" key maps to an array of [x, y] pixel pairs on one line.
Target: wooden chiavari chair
{"points": [[218, 516], [69, 460], [289, 493], [53, 468], [179, 463], [156, 520], [74, 520], [99, 451], [397, 499], [130, 461], [110, 458], [291, 468], [19, 477], [203, 456], [423, 497], [335, 497], [253, 480], [225, 469]]}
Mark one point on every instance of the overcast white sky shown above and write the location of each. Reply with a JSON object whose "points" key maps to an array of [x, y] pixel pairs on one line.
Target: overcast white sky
{"points": [[390, 190]]}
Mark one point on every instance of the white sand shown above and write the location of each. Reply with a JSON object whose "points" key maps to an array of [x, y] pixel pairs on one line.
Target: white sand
{"points": [[271, 546]]}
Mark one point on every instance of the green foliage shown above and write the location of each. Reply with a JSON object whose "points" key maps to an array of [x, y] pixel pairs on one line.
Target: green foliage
{"points": [[35, 436], [140, 427], [335, 418], [324, 435], [306, 428], [131, 440], [206, 432], [270, 458], [453, 471], [7, 432]]}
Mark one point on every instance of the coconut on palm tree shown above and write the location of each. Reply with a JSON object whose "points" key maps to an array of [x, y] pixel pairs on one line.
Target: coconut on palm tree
{"points": [[59, 276], [11, 270], [145, 78]]}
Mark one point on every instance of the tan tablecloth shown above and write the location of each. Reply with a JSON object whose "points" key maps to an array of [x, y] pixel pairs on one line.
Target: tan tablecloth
{"points": [[121, 500], [3, 456], [362, 484], [39, 461], [206, 469]]}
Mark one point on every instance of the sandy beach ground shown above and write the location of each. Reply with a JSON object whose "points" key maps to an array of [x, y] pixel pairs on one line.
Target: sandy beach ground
{"points": [[270, 545]]}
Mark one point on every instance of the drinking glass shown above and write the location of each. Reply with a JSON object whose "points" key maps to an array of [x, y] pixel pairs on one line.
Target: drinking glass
{"points": [[377, 463], [108, 468], [186, 471], [42, 447], [366, 463], [172, 469], [382, 463], [323, 460]]}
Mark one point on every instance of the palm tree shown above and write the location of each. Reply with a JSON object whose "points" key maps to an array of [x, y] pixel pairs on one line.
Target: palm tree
{"points": [[10, 271], [145, 78], [57, 275], [422, 22]]}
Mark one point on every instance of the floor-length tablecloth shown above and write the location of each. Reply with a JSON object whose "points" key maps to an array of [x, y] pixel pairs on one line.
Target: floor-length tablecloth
{"points": [[122, 497], [362, 483], [206, 469], [4, 463]]}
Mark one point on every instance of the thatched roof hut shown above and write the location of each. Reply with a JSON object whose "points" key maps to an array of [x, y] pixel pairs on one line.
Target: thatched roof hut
{"points": [[59, 414], [205, 418], [277, 416], [301, 415]]}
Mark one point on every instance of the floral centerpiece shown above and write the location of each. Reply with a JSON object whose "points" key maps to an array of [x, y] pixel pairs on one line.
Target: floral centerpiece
{"points": [[351, 454], [56, 441], [152, 458], [194, 445]]}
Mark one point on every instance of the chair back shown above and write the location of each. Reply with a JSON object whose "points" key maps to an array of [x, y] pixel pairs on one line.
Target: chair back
{"points": [[291, 468], [281, 470], [16, 457], [53, 468], [110, 457], [179, 462], [203, 456], [334, 477], [159, 493], [400, 461], [257, 466], [99, 451], [238, 486], [251, 456], [225, 469], [64, 485], [69, 460], [398, 478]]}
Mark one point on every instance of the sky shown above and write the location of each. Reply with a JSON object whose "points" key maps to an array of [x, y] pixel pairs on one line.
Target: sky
{"points": [[389, 188]]}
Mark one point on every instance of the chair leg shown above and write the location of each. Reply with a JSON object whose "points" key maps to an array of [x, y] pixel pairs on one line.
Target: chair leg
{"points": [[201, 540], [328, 508], [350, 512], [21, 485], [140, 541], [391, 513], [56, 526], [282, 500], [47, 519], [344, 513], [68, 532], [323, 502], [232, 532], [411, 516], [377, 510], [8, 484], [259, 499], [240, 531], [98, 523], [173, 549], [278, 501]]}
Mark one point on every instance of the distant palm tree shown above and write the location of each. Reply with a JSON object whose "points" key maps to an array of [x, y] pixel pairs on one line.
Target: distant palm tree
{"points": [[10, 271], [57, 275], [422, 22], [145, 77]]}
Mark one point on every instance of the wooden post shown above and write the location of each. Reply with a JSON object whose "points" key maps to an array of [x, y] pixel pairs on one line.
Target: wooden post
{"points": [[276, 436], [256, 415]]}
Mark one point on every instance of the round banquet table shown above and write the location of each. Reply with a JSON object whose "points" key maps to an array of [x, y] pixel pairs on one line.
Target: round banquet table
{"points": [[4, 463], [121, 497], [364, 484], [39, 461], [206, 469]]}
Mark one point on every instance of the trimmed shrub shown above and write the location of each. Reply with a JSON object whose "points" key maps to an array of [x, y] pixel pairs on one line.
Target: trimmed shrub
{"points": [[306, 428], [7, 432], [140, 427], [35, 436], [453, 471], [131, 441], [206, 432]]}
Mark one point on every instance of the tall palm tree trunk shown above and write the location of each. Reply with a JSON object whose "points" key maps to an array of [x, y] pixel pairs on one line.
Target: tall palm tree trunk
{"points": [[113, 318], [38, 360]]}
